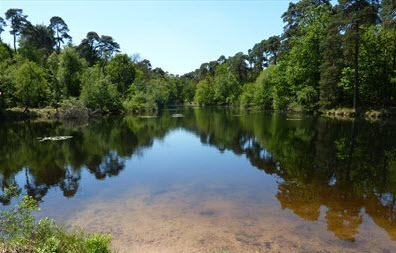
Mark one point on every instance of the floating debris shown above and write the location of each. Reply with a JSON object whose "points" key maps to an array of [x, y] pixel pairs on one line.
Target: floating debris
{"points": [[54, 138], [148, 116], [294, 119], [177, 115]]}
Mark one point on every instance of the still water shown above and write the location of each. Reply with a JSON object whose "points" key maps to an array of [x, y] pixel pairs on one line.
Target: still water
{"points": [[215, 179]]}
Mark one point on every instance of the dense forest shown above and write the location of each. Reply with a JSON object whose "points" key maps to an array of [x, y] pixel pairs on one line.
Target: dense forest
{"points": [[328, 56]]}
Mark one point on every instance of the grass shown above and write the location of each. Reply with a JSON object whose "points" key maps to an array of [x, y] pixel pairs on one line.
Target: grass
{"points": [[20, 232]]}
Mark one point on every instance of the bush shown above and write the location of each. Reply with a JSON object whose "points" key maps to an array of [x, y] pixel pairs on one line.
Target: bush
{"points": [[99, 93], [69, 71], [121, 71], [19, 232], [139, 102], [307, 97], [31, 87], [260, 93], [204, 93], [246, 99], [265, 84], [5, 52]]}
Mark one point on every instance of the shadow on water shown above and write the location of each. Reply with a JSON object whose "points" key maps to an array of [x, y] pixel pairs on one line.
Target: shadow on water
{"points": [[345, 166]]}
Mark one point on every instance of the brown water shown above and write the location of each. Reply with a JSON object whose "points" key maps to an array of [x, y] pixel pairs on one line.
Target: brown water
{"points": [[213, 180]]}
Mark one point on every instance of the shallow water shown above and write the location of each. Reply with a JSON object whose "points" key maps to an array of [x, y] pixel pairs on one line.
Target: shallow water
{"points": [[214, 179]]}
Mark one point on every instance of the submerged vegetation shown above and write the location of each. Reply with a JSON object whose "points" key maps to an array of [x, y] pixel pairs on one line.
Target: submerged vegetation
{"points": [[328, 56], [20, 232]]}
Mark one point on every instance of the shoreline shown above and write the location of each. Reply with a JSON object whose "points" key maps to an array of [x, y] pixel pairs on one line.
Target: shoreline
{"points": [[50, 113]]}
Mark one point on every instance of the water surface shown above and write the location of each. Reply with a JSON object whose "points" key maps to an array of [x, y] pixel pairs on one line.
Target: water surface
{"points": [[214, 179]]}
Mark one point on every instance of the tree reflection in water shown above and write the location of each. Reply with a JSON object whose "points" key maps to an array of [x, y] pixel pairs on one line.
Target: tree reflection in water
{"points": [[345, 168]]}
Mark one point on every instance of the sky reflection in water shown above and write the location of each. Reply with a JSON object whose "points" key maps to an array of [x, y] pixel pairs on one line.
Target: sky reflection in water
{"points": [[214, 179]]}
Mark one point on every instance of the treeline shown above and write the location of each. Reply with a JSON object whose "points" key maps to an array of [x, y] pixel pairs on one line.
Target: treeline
{"points": [[328, 56], [46, 69]]}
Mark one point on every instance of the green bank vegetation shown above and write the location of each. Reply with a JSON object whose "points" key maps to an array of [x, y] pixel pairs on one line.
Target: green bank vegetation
{"points": [[20, 232], [329, 56]]}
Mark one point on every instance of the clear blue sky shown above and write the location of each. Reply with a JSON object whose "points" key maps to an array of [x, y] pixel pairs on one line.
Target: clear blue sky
{"points": [[175, 35]]}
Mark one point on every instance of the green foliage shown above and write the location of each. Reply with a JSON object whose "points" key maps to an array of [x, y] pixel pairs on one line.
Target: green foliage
{"points": [[121, 72], [331, 67], [2, 25], [247, 97], [307, 97], [265, 84], [138, 101], [98, 92], [260, 93], [19, 232], [36, 43], [7, 88], [69, 71], [328, 56], [160, 89], [226, 86], [92, 72], [36, 38], [346, 83], [204, 94], [375, 81], [94, 48], [5, 52], [188, 90], [281, 97], [18, 22], [31, 87], [18, 223], [60, 30]]}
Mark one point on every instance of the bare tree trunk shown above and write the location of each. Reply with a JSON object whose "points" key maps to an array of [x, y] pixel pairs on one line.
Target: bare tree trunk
{"points": [[57, 34], [14, 43]]}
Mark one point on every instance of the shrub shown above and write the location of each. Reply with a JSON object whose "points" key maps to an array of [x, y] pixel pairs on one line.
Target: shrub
{"points": [[19, 232], [99, 93], [139, 102], [246, 99], [31, 87]]}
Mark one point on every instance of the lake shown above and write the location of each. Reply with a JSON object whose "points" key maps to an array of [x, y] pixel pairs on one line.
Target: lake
{"points": [[214, 179]]}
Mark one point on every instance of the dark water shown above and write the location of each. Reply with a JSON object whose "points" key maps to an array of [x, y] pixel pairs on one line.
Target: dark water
{"points": [[213, 179]]}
